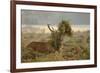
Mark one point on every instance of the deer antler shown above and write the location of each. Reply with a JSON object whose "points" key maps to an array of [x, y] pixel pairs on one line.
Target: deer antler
{"points": [[51, 29]]}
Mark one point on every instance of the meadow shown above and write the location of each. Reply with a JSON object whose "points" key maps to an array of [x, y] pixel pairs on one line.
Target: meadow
{"points": [[35, 46]]}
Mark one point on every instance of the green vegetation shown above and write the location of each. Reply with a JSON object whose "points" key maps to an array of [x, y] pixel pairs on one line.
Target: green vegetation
{"points": [[61, 45], [57, 36]]}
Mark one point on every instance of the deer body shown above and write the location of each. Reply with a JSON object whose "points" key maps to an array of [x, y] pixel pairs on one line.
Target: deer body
{"points": [[40, 46]]}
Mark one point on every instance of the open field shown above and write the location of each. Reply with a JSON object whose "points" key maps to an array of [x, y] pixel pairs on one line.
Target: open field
{"points": [[35, 46]]}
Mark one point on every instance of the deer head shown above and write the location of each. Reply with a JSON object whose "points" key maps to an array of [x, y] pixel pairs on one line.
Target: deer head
{"points": [[55, 38]]}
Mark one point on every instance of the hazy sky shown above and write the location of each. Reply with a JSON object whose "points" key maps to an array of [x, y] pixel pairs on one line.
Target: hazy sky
{"points": [[30, 17]]}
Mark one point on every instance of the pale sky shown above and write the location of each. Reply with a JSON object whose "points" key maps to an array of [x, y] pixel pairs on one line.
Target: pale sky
{"points": [[31, 17]]}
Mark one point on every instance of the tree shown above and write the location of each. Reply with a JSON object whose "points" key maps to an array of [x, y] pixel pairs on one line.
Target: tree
{"points": [[56, 37], [64, 28]]}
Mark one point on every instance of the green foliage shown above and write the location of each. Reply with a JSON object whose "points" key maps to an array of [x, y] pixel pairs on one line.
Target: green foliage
{"points": [[51, 57], [27, 54], [56, 38], [64, 28]]}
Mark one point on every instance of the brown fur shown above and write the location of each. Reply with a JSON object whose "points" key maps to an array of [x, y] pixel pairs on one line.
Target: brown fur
{"points": [[40, 46]]}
